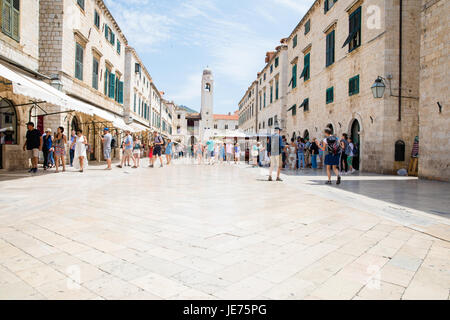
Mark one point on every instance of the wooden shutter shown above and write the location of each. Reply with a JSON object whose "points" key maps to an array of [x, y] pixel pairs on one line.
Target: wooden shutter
{"points": [[294, 76], [6, 17], [112, 83], [325, 6], [15, 20], [78, 61], [120, 92], [95, 73]]}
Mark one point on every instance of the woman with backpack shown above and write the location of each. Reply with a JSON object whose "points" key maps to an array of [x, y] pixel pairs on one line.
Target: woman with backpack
{"points": [[332, 155]]}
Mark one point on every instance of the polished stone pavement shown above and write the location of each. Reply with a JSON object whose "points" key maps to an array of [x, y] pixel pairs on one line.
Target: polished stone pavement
{"points": [[214, 232]]}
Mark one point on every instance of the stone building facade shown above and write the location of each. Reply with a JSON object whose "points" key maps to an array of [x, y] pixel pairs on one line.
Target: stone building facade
{"points": [[83, 47], [434, 112], [336, 69], [19, 53], [248, 110], [137, 91], [263, 106]]}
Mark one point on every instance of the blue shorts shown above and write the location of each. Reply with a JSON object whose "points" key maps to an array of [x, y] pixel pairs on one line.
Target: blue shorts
{"points": [[107, 154], [332, 160], [212, 154]]}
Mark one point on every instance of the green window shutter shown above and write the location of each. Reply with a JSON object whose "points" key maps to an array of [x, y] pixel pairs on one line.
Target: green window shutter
{"points": [[6, 17], [294, 41], [106, 82], [264, 98], [307, 66], [353, 86], [330, 95], [96, 19], [307, 26], [330, 48], [112, 83], [118, 46], [277, 84], [95, 73], [276, 62], [79, 61], [325, 6], [271, 94], [294, 76], [15, 21], [106, 32], [306, 106]]}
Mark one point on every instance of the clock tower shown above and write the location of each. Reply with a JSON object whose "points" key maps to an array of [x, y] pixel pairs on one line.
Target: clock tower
{"points": [[207, 108]]}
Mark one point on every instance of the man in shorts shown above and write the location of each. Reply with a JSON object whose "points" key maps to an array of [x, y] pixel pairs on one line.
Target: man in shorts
{"points": [[128, 150], [33, 144], [157, 148], [332, 155], [274, 149], [106, 139]]}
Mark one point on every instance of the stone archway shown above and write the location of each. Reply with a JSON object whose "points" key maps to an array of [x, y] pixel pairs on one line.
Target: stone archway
{"points": [[355, 132]]}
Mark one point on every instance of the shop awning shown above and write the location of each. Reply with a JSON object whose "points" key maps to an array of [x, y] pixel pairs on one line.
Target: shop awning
{"points": [[42, 91], [137, 127]]}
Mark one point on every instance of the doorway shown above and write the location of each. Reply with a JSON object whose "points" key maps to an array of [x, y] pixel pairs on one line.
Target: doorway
{"points": [[355, 135]]}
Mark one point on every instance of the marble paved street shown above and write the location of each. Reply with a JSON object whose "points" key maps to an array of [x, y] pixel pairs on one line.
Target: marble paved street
{"points": [[212, 232]]}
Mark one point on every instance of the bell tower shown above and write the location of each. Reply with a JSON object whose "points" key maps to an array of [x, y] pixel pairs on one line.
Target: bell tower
{"points": [[207, 108]]}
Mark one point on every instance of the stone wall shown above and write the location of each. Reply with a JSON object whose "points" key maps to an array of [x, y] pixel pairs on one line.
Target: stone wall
{"points": [[377, 56], [26, 51], [434, 161]]}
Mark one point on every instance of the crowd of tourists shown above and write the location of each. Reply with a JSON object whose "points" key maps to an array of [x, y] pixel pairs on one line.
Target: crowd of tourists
{"points": [[333, 153], [274, 151]]}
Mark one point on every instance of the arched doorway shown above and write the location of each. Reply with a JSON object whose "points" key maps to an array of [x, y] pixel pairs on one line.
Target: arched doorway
{"points": [[306, 135], [330, 126], [75, 124], [354, 134], [8, 126], [294, 135]]}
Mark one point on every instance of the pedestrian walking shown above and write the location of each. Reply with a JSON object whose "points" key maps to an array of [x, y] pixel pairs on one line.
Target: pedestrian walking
{"points": [[210, 151], [169, 151], [332, 155], [107, 147], [350, 154], [47, 148], [33, 144], [127, 150], [137, 148], [255, 153], [73, 136], [157, 148], [283, 153], [275, 149], [292, 153], [229, 148], [237, 152], [343, 161], [59, 145], [314, 150], [80, 161], [301, 153]]}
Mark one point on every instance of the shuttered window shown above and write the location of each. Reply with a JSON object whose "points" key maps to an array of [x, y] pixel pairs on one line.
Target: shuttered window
{"points": [[328, 5], [294, 41], [119, 47], [11, 18], [276, 62], [79, 52], [271, 94], [95, 73], [81, 3], [330, 49], [106, 82], [306, 67], [353, 86], [96, 19], [307, 26], [330, 95], [354, 35], [112, 84], [294, 76], [277, 85]]}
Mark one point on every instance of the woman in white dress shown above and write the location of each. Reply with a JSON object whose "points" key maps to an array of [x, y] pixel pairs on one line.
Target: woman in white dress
{"points": [[80, 159]]}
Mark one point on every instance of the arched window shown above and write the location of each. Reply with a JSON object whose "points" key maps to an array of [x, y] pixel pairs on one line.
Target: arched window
{"points": [[8, 122], [208, 87], [330, 126], [75, 124]]}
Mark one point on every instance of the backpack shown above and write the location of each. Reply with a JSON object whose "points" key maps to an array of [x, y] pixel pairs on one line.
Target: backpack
{"points": [[333, 145], [113, 143]]}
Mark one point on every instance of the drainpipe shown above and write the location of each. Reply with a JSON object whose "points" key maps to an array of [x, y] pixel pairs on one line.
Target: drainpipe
{"points": [[400, 63]]}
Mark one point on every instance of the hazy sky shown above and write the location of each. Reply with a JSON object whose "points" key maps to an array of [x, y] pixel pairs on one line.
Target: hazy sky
{"points": [[177, 39]]}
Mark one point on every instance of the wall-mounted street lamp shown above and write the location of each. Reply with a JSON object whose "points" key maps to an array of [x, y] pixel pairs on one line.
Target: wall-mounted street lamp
{"points": [[378, 88]]}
